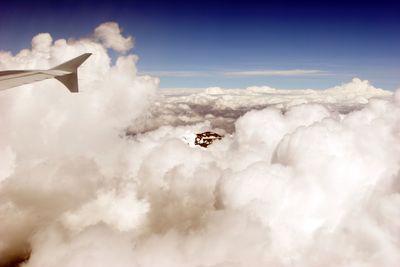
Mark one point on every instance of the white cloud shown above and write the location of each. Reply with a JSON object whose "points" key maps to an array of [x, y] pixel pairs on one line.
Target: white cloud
{"points": [[63, 147], [110, 35]]}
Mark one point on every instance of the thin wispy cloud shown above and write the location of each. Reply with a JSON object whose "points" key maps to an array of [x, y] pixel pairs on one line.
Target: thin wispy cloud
{"points": [[178, 73], [241, 73], [295, 72]]}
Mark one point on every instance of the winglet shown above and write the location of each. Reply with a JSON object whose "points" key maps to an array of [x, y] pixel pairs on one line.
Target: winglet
{"points": [[71, 80], [73, 64]]}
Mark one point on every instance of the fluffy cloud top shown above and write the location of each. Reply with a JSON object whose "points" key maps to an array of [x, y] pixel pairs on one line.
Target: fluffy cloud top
{"points": [[299, 182], [110, 35]]}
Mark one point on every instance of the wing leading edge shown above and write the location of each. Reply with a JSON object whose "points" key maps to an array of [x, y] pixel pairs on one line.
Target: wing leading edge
{"points": [[66, 73]]}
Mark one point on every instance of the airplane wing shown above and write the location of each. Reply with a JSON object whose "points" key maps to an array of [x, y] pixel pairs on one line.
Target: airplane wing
{"points": [[66, 73]]}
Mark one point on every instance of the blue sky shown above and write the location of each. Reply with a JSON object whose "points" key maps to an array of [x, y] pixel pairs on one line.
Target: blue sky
{"points": [[283, 44]]}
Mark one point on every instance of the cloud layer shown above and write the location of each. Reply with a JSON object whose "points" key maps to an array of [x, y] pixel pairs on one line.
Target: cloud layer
{"points": [[222, 107], [301, 181]]}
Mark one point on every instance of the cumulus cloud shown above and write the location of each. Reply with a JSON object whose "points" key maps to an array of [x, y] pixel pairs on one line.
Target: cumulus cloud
{"points": [[50, 143], [110, 35], [300, 181]]}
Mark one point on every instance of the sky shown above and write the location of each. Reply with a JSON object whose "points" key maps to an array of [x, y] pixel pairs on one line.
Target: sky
{"points": [[232, 44]]}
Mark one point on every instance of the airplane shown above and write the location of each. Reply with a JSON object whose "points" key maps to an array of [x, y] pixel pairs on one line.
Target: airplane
{"points": [[66, 73]]}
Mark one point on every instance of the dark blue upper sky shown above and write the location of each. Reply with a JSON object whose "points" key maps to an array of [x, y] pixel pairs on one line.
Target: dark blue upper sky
{"points": [[196, 43]]}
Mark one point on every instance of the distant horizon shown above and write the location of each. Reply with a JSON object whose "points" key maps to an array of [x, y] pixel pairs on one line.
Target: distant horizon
{"points": [[274, 87]]}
